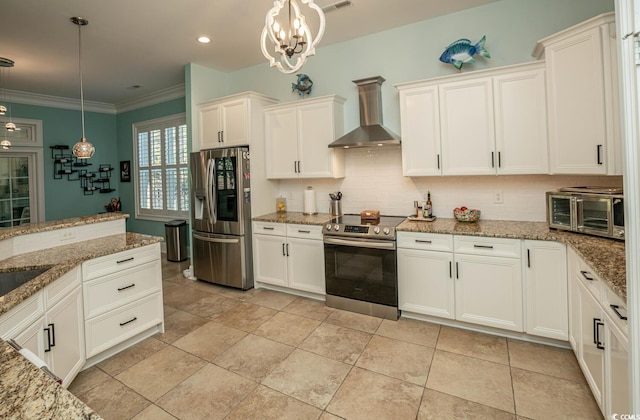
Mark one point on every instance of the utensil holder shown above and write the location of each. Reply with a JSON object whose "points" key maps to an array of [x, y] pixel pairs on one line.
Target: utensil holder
{"points": [[335, 207]]}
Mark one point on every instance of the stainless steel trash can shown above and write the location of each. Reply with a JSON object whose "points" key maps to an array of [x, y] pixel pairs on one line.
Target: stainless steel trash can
{"points": [[175, 237]]}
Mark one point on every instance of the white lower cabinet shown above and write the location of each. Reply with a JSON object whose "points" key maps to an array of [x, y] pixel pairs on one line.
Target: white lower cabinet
{"points": [[57, 336], [290, 256], [479, 282], [599, 329], [123, 298], [591, 358], [545, 289], [425, 265], [616, 365]]}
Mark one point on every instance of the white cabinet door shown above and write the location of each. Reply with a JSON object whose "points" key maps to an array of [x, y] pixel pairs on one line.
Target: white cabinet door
{"points": [[591, 356], [33, 338], [545, 278], [521, 123], [575, 91], [281, 143], [66, 321], [575, 323], [234, 123], [489, 291], [224, 124], [297, 136], [617, 367], [315, 132], [210, 126], [425, 282], [467, 127], [270, 259], [420, 127], [305, 262]]}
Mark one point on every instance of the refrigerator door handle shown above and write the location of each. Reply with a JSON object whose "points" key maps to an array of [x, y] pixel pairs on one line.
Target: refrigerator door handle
{"points": [[217, 240], [209, 188]]}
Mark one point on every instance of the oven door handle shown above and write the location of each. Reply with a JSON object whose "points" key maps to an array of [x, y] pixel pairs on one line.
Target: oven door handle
{"points": [[359, 243]]}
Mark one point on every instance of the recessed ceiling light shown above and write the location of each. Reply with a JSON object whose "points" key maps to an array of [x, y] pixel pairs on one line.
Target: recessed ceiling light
{"points": [[204, 39]]}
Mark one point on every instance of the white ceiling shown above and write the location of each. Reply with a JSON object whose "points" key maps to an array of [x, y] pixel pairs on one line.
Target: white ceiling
{"points": [[148, 42]]}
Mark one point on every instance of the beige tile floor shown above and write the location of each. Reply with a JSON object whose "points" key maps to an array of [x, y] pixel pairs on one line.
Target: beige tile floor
{"points": [[262, 354]]}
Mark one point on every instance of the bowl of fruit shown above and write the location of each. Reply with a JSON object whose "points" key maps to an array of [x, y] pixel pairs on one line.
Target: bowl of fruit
{"points": [[463, 214]]}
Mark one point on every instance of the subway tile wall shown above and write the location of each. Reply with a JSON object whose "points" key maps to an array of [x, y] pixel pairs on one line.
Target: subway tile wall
{"points": [[373, 180]]}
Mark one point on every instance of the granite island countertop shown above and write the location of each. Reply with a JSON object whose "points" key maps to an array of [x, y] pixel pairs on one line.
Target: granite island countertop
{"points": [[605, 256], [61, 259], [28, 228], [29, 393], [26, 391]]}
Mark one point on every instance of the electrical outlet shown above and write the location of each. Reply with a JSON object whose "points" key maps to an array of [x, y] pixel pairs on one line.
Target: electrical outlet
{"points": [[290, 195], [497, 197], [67, 235]]}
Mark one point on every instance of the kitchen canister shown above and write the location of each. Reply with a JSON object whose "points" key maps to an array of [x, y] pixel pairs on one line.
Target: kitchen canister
{"points": [[309, 201]]}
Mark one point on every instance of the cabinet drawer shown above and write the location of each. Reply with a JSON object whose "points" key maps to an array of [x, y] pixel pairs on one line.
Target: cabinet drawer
{"points": [[61, 287], [21, 316], [268, 228], [107, 330], [108, 292], [119, 261], [426, 241], [497, 247], [304, 231], [616, 308], [589, 278]]}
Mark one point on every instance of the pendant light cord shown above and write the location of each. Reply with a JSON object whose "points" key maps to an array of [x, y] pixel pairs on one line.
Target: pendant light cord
{"points": [[80, 69]]}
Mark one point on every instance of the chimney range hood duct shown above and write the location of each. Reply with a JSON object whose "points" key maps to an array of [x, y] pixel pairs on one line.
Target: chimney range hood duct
{"points": [[371, 132]]}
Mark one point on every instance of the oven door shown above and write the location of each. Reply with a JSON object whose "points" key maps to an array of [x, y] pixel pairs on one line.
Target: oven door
{"points": [[594, 215], [361, 269]]}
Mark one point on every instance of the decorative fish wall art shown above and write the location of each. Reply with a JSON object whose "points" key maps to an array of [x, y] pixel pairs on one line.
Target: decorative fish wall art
{"points": [[462, 51], [304, 85]]}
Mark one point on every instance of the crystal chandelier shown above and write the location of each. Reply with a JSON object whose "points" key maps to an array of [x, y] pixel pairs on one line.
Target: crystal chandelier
{"points": [[286, 40], [82, 149]]}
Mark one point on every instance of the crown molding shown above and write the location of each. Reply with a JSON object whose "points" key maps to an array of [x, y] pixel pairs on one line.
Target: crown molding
{"points": [[154, 98], [39, 99]]}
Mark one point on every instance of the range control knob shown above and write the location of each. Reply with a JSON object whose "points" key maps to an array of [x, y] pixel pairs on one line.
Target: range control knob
{"points": [[328, 227], [376, 230], [336, 228], [386, 231]]}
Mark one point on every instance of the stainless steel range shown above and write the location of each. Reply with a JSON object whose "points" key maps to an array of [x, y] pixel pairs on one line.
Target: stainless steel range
{"points": [[360, 265]]}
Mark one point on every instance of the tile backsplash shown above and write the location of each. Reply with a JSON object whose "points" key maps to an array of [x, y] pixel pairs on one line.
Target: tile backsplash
{"points": [[373, 180]]}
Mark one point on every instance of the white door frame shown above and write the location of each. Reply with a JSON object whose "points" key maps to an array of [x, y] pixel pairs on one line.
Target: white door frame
{"points": [[627, 26]]}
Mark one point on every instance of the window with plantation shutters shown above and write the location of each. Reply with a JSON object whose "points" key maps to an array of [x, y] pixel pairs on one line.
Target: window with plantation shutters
{"points": [[161, 168]]}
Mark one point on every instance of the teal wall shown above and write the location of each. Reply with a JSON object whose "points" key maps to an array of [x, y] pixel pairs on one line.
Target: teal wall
{"points": [[124, 143], [65, 198]]}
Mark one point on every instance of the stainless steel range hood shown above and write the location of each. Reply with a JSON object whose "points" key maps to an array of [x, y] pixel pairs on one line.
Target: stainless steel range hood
{"points": [[371, 132]]}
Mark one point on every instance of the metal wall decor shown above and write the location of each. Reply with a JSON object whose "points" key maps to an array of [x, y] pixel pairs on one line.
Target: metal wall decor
{"points": [[66, 164]]}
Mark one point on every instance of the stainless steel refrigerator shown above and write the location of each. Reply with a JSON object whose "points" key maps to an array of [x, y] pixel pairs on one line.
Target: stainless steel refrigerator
{"points": [[221, 217]]}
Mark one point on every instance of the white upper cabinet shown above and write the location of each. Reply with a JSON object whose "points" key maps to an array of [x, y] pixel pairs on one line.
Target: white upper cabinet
{"points": [[481, 123], [226, 122], [582, 92], [420, 127], [297, 136], [467, 133], [520, 106]]}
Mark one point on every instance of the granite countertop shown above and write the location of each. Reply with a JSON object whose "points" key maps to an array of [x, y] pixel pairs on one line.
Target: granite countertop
{"points": [[27, 228], [29, 393], [605, 256], [61, 259]]}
